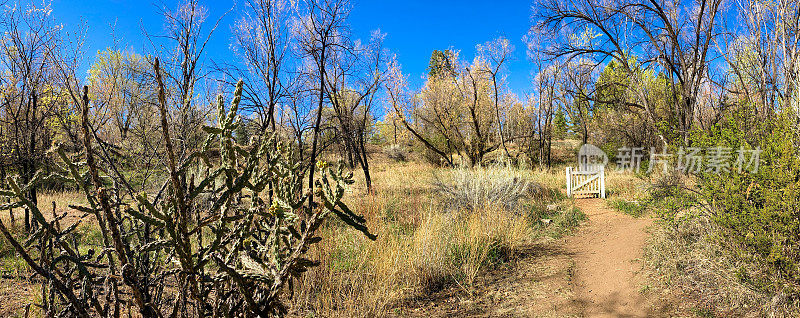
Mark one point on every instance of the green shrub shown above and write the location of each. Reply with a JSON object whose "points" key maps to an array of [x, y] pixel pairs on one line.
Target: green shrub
{"points": [[760, 211], [555, 220], [10, 262]]}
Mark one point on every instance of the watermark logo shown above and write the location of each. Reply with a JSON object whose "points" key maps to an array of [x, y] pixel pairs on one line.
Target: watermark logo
{"points": [[690, 160], [591, 158]]}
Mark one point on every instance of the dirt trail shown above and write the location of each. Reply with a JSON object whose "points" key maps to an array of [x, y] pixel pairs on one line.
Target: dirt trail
{"points": [[592, 273], [606, 251]]}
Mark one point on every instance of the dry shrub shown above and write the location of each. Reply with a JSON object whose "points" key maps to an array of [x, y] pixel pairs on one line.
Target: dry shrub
{"points": [[429, 156], [396, 152], [475, 189], [686, 256]]}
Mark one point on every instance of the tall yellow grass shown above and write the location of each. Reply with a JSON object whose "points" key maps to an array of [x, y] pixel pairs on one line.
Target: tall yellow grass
{"points": [[420, 248]]}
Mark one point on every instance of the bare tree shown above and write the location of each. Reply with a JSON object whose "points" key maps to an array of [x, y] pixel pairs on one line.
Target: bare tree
{"points": [[578, 80], [673, 38], [353, 81], [185, 40], [547, 104], [31, 109], [763, 55], [540, 100], [496, 53], [454, 113], [321, 30], [402, 100], [262, 39]]}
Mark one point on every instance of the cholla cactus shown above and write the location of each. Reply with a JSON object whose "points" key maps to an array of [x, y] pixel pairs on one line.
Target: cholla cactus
{"points": [[230, 260]]}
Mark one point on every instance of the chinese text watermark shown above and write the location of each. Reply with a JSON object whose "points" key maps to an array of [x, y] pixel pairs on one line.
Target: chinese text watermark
{"points": [[690, 160]]}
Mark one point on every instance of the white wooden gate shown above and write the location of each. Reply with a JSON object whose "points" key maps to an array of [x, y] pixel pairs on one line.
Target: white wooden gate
{"points": [[584, 184]]}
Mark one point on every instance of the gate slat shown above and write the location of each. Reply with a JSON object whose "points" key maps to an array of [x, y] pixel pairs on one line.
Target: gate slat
{"points": [[585, 183]]}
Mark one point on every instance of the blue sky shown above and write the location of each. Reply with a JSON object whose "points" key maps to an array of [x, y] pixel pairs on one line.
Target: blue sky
{"points": [[414, 28]]}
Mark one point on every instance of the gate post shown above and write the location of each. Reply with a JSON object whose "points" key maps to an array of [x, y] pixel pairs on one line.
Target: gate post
{"points": [[603, 182], [569, 182]]}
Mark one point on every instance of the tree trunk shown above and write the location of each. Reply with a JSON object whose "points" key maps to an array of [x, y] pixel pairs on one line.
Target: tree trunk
{"points": [[27, 175], [350, 150], [585, 134], [10, 210], [499, 121], [30, 164], [315, 139], [362, 155], [394, 126], [367, 177]]}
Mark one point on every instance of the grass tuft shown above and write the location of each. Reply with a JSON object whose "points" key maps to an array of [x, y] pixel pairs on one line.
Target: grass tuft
{"points": [[633, 208]]}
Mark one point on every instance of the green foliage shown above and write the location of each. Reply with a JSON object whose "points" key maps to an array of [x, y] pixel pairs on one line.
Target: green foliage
{"points": [[611, 86], [580, 115], [560, 124], [441, 64], [759, 211], [555, 221], [8, 256], [619, 113], [668, 198]]}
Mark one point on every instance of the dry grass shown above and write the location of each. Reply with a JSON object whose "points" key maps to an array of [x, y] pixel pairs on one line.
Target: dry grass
{"points": [[362, 277], [62, 201], [10, 264], [14, 284], [626, 185], [419, 249], [453, 248], [686, 259], [396, 152]]}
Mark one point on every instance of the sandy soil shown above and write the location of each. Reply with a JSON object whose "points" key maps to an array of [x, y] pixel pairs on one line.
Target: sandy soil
{"points": [[606, 251], [14, 296]]}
